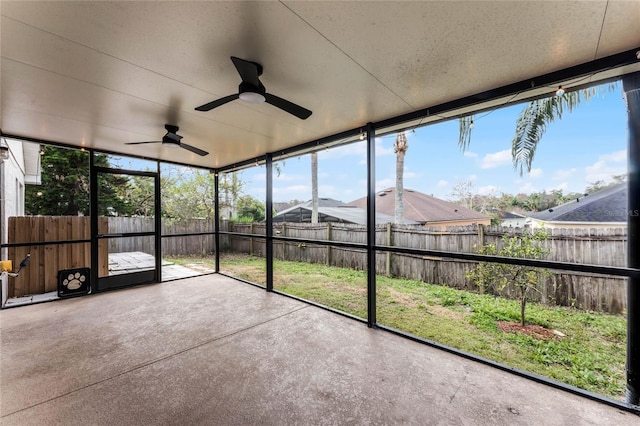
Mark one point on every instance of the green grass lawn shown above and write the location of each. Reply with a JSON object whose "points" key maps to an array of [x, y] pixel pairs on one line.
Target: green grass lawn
{"points": [[591, 356]]}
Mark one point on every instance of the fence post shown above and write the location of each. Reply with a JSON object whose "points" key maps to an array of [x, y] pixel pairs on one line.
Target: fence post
{"points": [[480, 235], [328, 247], [251, 239], [389, 243], [284, 243]]}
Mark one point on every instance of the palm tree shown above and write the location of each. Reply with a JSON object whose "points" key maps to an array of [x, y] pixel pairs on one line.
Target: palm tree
{"points": [[400, 147], [314, 187], [532, 123]]}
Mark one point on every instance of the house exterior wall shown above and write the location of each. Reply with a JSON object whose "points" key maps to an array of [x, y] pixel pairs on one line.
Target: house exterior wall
{"points": [[534, 223], [11, 188], [516, 222], [444, 225]]}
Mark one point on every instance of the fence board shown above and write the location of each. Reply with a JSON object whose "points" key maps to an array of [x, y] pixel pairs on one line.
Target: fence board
{"points": [[47, 260], [50, 252], [575, 245]]}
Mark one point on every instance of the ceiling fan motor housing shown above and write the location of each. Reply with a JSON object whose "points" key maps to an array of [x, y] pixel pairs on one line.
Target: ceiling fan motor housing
{"points": [[171, 138]]}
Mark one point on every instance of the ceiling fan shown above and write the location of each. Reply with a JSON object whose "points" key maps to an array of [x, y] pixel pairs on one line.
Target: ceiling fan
{"points": [[171, 139], [251, 90]]}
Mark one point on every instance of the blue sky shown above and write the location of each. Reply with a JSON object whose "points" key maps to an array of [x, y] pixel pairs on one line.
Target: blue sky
{"points": [[586, 145]]}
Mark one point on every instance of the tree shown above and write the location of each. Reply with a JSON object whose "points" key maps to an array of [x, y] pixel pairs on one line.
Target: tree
{"points": [[250, 209], [192, 195], [462, 194], [140, 196], [314, 187], [601, 184], [532, 123], [64, 188], [497, 276], [400, 147], [231, 186]]}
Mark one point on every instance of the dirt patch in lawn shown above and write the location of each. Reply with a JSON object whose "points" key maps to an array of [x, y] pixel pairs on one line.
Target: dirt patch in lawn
{"points": [[536, 331], [401, 298], [444, 312]]}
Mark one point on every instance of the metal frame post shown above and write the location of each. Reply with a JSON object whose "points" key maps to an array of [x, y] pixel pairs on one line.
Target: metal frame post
{"points": [[631, 87], [269, 221], [371, 226], [158, 222], [93, 213], [216, 213]]}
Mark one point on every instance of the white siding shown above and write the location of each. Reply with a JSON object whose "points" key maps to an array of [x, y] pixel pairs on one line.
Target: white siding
{"points": [[12, 187]]}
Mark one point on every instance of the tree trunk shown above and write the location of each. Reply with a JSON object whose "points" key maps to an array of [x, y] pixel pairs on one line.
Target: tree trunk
{"points": [[400, 147], [523, 306], [314, 187]]}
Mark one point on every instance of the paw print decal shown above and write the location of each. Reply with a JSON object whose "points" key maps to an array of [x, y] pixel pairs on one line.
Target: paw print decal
{"points": [[74, 281]]}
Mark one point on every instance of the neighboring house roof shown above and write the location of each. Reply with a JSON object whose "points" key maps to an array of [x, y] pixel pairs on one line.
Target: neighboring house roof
{"points": [[510, 215], [280, 206], [420, 207], [503, 214], [341, 213], [607, 205], [302, 212]]}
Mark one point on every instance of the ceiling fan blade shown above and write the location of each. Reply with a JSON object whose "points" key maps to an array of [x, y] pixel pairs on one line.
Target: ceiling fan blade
{"points": [[248, 70], [217, 103], [285, 105], [138, 143], [194, 149]]}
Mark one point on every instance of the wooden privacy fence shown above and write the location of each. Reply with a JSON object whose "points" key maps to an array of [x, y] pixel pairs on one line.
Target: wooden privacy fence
{"points": [[171, 245], [41, 276], [581, 245]]}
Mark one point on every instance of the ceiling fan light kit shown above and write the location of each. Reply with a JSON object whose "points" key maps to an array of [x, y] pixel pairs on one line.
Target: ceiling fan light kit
{"points": [[252, 97]]}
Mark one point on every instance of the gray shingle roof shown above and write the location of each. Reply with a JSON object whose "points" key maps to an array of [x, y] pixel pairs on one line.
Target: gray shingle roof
{"points": [[343, 214], [608, 205], [420, 207]]}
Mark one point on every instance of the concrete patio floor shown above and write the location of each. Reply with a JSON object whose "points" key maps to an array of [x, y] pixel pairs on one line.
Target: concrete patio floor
{"points": [[214, 351], [124, 263]]}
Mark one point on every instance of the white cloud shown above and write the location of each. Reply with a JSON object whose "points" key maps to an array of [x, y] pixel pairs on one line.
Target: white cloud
{"points": [[527, 188], [496, 159], [442, 183], [284, 177], [563, 174], [607, 166], [488, 190], [385, 183], [535, 173], [473, 177], [358, 149], [560, 187], [470, 154], [293, 190], [381, 150], [327, 191]]}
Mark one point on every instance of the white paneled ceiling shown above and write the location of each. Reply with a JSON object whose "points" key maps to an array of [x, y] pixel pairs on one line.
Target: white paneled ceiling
{"points": [[100, 74]]}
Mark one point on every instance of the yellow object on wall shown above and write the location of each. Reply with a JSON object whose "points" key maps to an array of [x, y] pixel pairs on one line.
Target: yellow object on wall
{"points": [[5, 265]]}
